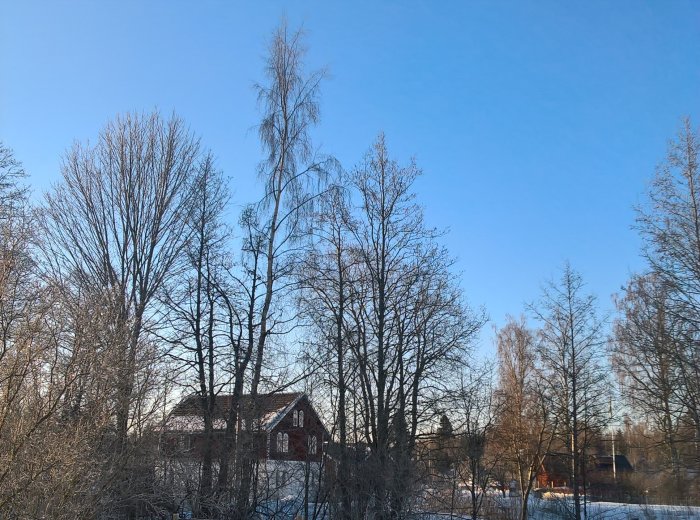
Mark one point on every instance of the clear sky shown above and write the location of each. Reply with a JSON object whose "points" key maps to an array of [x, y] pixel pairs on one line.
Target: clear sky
{"points": [[538, 124]]}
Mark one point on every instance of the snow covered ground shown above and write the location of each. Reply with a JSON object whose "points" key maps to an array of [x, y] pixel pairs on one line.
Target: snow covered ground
{"points": [[557, 509], [540, 509]]}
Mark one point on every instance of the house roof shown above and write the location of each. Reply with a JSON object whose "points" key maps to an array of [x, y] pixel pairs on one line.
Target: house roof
{"points": [[605, 463], [269, 408]]}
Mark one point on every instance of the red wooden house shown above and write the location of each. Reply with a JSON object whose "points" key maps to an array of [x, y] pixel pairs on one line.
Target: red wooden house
{"points": [[286, 425], [554, 471], [283, 429]]}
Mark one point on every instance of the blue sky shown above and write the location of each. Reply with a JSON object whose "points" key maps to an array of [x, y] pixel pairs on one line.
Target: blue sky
{"points": [[538, 124]]}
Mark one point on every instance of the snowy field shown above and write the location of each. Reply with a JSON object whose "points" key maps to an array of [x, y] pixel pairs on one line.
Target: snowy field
{"points": [[558, 509], [562, 508], [540, 509]]}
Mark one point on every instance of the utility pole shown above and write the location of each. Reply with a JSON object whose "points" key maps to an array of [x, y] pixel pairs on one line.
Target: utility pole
{"points": [[612, 439]]}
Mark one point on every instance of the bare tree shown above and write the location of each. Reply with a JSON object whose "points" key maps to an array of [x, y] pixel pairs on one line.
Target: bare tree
{"points": [[645, 358], [670, 221], [115, 230], [328, 272], [35, 371], [478, 410], [670, 226], [273, 229], [290, 104], [200, 317], [570, 346], [406, 324], [525, 426], [13, 194], [21, 405], [387, 229]]}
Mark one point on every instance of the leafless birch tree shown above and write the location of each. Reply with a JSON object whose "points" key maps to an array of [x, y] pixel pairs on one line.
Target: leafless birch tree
{"points": [[526, 425], [273, 229]]}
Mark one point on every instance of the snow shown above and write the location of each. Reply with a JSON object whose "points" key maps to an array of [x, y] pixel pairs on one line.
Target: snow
{"points": [[542, 509]]}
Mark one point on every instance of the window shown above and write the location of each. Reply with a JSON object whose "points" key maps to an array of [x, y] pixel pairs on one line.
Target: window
{"points": [[313, 445], [280, 442], [295, 418], [301, 419], [243, 424]]}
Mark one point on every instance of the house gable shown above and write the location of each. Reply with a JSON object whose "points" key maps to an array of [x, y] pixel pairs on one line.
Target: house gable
{"points": [[303, 442]]}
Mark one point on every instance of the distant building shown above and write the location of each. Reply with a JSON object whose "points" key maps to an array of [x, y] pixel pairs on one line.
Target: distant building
{"points": [[604, 465], [555, 471], [603, 477], [283, 430], [608, 477]]}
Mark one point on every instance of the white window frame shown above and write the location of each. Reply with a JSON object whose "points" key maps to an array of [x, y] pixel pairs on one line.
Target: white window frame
{"points": [[295, 418], [301, 418], [285, 445]]}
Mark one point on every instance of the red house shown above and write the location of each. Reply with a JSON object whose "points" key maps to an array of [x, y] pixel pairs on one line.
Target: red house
{"points": [[286, 425], [555, 471], [283, 429]]}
